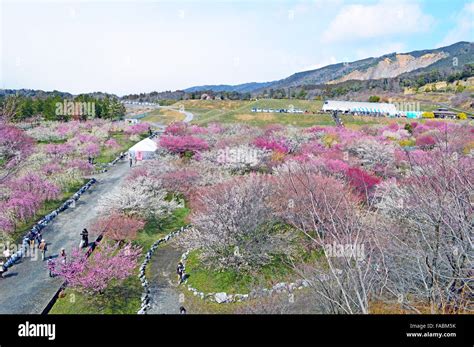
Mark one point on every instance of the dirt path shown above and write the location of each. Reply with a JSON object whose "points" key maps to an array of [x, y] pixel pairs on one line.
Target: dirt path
{"points": [[164, 289], [27, 287]]}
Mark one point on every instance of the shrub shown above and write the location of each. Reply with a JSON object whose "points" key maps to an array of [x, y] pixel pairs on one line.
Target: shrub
{"points": [[427, 115], [374, 98], [407, 142]]}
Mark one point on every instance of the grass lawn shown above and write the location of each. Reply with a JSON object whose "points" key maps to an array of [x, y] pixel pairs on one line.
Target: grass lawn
{"points": [[118, 299], [231, 281], [164, 116], [121, 298], [239, 111]]}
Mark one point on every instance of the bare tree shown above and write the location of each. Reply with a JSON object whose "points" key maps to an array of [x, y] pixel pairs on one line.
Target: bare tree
{"points": [[430, 252]]}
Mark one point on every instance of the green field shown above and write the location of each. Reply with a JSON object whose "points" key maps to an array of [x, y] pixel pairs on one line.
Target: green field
{"points": [[208, 111]]}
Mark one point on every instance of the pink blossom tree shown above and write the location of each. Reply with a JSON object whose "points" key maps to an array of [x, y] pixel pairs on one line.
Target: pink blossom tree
{"points": [[15, 147], [108, 263], [119, 227], [183, 144], [277, 145]]}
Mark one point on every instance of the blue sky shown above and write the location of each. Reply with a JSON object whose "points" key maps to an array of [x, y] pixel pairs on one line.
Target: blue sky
{"points": [[140, 46]]}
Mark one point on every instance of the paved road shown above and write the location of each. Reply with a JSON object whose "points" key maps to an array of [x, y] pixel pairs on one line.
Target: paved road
{"points": [[27, 288], [188, 115]]}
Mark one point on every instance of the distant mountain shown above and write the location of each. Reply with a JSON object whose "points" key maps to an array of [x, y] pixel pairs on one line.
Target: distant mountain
{"points": [[449, 58], [241, 88]]}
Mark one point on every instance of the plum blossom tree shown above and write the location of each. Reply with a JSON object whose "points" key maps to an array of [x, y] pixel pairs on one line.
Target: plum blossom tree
{"points": [[330, 216], [362, 181], [33, 183], [137, 129], [108, 263], [233, 224], [119, 227], [183, 144], [373, 154], [143, 196], [112, 143], [278, 145], [15, 147], [92, 149]]}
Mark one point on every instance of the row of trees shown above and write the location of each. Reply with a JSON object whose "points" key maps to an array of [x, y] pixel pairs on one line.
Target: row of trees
{"points": [[436, 76], [17, 108]]}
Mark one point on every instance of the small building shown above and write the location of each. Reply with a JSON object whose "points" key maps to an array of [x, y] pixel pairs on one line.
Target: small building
{"points": [[372, 108], [143, 150]]}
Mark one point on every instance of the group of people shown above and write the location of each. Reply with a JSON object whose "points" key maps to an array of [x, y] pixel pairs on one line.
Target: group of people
{"points": [[36, 238]]}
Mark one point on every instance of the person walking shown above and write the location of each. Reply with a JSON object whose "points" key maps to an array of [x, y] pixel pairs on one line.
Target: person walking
{"points": [[39, 237], [84, 238], [63, 256], [6, 253], [32, 245], [180, 272], [43, 248], [130, 159], [182, 310], [51, 267]]}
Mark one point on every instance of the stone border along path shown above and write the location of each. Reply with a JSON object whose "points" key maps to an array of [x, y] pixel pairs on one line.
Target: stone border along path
{"points": [[223, 297], [145, 299]]}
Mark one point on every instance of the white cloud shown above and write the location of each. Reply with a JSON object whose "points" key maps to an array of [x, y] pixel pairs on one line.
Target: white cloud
{"points": [[378, 20], [464, 28]]}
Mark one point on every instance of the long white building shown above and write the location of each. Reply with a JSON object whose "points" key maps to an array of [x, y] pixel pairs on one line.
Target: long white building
{"points": [[359, 107]]}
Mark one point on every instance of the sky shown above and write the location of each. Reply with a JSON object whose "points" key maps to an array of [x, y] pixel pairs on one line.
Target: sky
{"points": [[139, 46]]}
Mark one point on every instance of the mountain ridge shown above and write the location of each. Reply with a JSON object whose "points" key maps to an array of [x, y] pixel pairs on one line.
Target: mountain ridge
{"points": [[419, 61]]}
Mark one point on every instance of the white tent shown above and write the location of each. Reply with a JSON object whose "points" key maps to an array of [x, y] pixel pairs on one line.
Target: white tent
{"points": [[144, 149]]}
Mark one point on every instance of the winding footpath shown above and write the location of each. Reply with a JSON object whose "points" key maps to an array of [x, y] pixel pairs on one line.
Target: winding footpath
{"points": [[27, 288], [164, 289]]}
